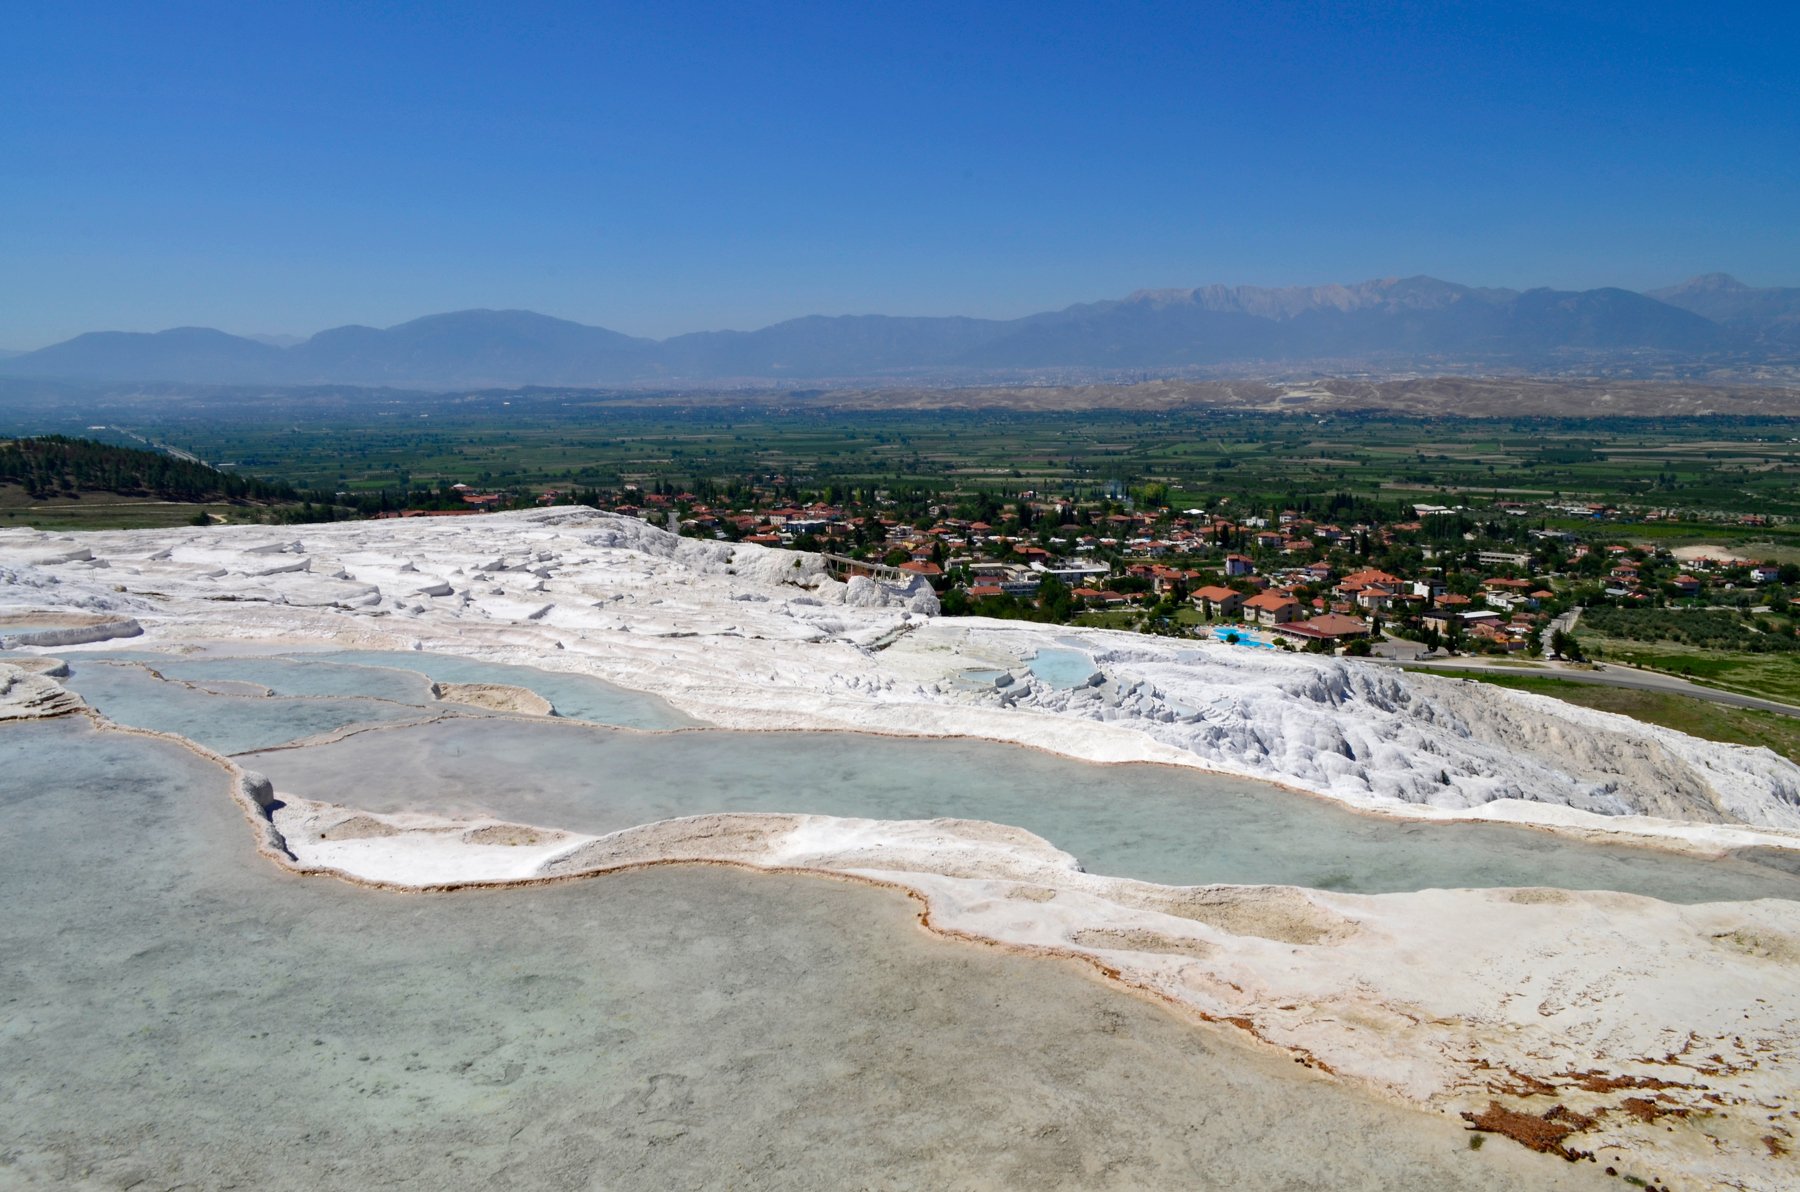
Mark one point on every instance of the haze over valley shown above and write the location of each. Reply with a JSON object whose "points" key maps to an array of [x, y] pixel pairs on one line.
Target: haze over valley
{"points": [[1710, 324]]}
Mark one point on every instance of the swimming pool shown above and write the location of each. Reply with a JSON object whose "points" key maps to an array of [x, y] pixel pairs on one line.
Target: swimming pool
{"points": [[1238, 635]]}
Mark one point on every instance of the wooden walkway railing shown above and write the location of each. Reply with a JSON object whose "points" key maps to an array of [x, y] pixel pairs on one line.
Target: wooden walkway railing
{"points": [[844, 567]]}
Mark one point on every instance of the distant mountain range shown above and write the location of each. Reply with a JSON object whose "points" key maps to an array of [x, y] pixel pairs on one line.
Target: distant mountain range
{"points": [[1729, 302], [1416, 322]]}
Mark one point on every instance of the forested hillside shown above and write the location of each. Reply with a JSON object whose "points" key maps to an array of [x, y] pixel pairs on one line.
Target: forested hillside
{"points": [[54, 466]]}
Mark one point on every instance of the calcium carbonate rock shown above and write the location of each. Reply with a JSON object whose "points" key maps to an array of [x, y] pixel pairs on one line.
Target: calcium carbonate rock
{"points": [[25, 695], [762, 637]]}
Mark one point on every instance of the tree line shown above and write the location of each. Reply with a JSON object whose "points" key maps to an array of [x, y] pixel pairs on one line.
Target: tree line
{"points": [[56, 466]]}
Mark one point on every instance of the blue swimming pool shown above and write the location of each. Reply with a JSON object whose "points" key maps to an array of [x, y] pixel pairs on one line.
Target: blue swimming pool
{"points": [[1237, 635]]}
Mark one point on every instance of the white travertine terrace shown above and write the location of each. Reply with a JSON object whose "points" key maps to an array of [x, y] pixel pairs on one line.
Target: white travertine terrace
{"points": [[28, 693], [747, 637], [1448, 999]]}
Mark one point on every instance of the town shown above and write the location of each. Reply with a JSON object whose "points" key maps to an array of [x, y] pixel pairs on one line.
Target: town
{"points": [[1343, 573]]}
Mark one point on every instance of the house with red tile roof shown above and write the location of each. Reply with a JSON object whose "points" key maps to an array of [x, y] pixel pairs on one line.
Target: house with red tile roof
{"points": [[1330, 627], [1216, 601], [1271, 608]]}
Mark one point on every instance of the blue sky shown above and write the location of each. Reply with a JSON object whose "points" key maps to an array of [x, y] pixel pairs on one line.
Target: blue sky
{"points": [[673, 167]]}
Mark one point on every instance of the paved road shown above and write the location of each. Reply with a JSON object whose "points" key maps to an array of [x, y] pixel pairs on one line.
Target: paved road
{"points": [[1614, 675]]}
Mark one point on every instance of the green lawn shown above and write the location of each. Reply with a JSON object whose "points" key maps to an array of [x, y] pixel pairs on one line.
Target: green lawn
{"points": [[106, 511], [1696, 717], [1109, 618], [1769, 676]]}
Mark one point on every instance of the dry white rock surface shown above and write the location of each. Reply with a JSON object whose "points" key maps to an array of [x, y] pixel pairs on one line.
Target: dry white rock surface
{"points": [[28, 693]]}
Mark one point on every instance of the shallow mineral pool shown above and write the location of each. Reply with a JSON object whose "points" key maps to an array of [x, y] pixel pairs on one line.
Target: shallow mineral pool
{"points": [[305, 676], [579, 696], [132, 695], [1157, 823], [1064, 669], [319, 693], [176, 1011]]}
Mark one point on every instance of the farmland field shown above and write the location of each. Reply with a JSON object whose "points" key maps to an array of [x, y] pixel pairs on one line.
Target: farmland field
{"points": [[1699, 475]]}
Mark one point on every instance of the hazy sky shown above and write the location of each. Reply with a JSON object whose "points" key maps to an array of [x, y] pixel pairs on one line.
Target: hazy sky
{"points": [[666, 167]]}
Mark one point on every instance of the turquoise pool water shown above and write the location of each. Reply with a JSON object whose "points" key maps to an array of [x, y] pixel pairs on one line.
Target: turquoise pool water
{"points": [[1157, 823], [131, 695], [316, 693], [176, 1012], [303, 675], [1065, 669], [578, 696], [1160, 824]]}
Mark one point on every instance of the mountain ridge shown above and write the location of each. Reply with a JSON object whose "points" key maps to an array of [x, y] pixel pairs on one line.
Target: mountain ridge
{"points": [[1393, 320], [1729, 302]]}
